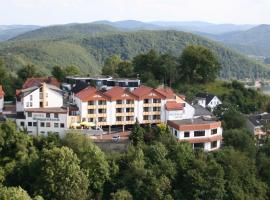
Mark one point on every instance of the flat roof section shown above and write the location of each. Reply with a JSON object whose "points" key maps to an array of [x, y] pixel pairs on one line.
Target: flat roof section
{"points": [[194, 124]]}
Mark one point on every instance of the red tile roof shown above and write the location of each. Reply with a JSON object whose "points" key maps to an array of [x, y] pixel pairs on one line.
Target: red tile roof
{"points": [[172, 105], [144, 91], [119, 93], [167, 92], [90, 93], [2, 93], [30, 82]]}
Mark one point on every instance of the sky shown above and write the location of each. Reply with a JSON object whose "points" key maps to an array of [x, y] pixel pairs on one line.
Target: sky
{"points": [[48, 12]]}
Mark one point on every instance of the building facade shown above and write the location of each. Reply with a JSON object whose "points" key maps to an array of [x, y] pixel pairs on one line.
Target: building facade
{"points": [[203, 133], [2, 95], [39, 106], [119, 107]]}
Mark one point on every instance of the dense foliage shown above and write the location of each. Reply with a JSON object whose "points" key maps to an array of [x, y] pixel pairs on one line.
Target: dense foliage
{"points": [[89, 45], [152, 168]]}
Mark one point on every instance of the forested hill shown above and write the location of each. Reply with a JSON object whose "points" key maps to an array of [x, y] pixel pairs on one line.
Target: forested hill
{"points": [[255, 41], [88, 45]]}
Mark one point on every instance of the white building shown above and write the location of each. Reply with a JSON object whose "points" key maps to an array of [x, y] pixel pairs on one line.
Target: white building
{"points": [[2, 94], [207, 100], [119, 107], [201, 132], [39, 107], [256, 123]]}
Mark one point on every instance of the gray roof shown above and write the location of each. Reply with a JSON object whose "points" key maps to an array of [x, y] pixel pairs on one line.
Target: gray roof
{"points": [[199, 120], [201, 111], [259, 120]]}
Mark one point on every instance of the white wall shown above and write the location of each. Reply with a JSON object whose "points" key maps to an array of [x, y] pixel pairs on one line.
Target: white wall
{"points": [[55, 99], [26, 101], [41, 117], [202, 102], [207, 145], [1, 104], [214, 103]]}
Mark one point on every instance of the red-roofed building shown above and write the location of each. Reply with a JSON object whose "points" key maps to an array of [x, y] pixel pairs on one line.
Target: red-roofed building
{"points": [[119, 106], [31, 82], [2, 94]]}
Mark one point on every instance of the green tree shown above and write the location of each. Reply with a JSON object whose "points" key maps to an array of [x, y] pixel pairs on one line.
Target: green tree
{"points": [[240, 176], [111, 65], [240, 139], [59, 73], [27, 71], [92, 159], [13, 193], [125, 69], [121, 195], [198, 64], [137, 134], [72, 70], [60, 176]]}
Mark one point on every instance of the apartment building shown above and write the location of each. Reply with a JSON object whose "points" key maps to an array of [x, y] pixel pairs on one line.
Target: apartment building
{"points": [[2, 94], [119, 107], [39, 106]]}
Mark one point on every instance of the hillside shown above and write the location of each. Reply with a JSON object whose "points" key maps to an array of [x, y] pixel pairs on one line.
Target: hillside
{"points": [[9, 31], [88, 45], [255, 41]]}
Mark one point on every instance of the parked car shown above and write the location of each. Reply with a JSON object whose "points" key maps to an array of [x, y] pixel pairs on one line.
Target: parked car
{"points": [[116, 138]]}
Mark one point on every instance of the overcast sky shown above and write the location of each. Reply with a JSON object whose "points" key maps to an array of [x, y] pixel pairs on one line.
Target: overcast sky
{"points": [[45, 12]]}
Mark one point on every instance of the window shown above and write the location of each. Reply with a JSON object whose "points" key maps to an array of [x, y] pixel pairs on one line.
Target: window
{"points": [[29, 114], [56, 125], [198, 146], [27, 104], [101, 102], [146, 101], [186, 134], [214, 144], [213, 131], [101, 111], [48, 115], [156, 109], [56, 115], [118, 110], [42, 124], [118, 119], [102, 119], [145, 109], [199, 133], [22, 124], [175, 133], [129, 118], [41, 89], [156, 100], [156, 117], [83, 119], [48, 124], [90, 103], [130, 101], [91, 111], [29, 123], [31, 97], [62, 125], [145, 117], [90, 119], [119, 102], [31, 104], [41, 104], [128, 110], [34, 123]]}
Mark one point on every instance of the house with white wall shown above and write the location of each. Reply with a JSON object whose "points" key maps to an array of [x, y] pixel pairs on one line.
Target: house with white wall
{"points": [[39, 107], [208, 100]]}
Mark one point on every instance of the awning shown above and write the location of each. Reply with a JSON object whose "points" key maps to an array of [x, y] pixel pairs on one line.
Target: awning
{"points": [[87, 124]]}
